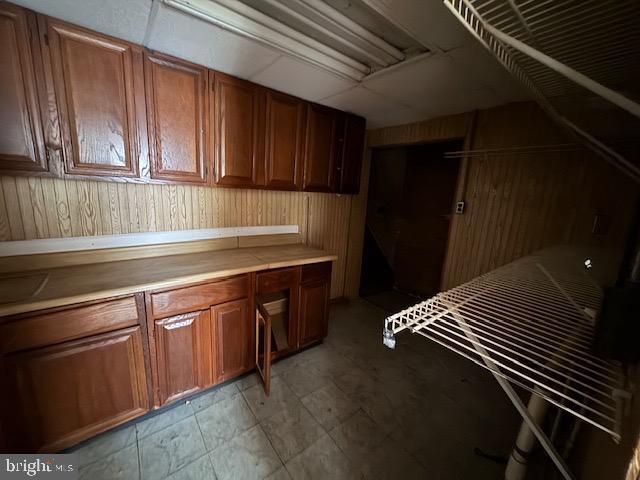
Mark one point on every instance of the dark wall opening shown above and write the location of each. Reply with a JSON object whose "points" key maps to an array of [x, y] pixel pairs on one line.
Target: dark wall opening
{"points": [[409, 207]]}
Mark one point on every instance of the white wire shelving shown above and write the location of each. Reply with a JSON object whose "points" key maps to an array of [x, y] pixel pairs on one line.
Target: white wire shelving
{"points": [[529, 322], [569, 54]]}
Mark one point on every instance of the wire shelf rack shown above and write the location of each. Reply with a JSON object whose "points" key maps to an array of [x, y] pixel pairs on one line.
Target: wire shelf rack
{"points": [[599, 38], [578, 58], [530, 322]]}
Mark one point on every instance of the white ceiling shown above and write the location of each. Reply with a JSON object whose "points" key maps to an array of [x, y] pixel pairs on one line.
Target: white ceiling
{"points": [[457, 74]]}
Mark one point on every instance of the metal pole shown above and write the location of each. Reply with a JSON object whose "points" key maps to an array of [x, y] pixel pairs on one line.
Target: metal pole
{"points": [[538, 409], [517, 465]]}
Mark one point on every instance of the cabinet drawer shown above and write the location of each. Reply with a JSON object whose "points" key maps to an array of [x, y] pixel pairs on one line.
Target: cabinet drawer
{"points": [[316, 271], [188, 299], [68, 324], [275, 280]]}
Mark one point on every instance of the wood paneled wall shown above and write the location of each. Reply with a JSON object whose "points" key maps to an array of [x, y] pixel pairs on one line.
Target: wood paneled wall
{"points": [[32, 207], [515, 203]]}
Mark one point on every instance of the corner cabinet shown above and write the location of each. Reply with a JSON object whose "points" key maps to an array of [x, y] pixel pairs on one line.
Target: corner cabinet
{"points": [[323, 147], [352, 153], [22, 148], [179, 137], [99, 89], [238, 121]]}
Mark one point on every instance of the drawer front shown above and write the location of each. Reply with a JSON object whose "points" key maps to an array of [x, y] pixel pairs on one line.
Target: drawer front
{"points": [[183, 300], [316, 271], [275, 280], [68, 324]]}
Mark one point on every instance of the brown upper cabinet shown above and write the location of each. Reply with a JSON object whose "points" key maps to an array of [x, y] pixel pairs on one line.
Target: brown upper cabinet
{"points": [[100, 95], [21, 134], [285, 122], [82, 104], [352, 151], [238, 130], [324, 137], [179, 137]]}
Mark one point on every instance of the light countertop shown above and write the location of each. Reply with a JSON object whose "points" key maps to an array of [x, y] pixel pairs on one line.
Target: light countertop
{"points": [[57, 287]]}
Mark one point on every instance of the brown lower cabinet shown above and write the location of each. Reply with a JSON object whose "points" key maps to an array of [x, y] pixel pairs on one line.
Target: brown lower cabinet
{"points": [[292, 308], [199, 335], [70, 373], [182, 354], [314, 306], [63, 394], [233, 339]]}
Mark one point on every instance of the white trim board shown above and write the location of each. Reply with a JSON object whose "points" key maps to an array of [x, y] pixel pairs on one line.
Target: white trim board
{"points": [[74, 244]]}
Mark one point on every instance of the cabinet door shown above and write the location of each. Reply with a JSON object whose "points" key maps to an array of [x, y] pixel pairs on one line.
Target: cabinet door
{"points": [[352, 153], [74, 390], [100, 92], [181, 355], [233, 338], [178, 124], [314, 310], [322, 148], [239, 132], [284, 141], [263, 346], [21, 139]]}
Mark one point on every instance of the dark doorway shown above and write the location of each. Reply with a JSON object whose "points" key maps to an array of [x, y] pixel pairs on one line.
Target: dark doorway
{"points": [[409, 208]]}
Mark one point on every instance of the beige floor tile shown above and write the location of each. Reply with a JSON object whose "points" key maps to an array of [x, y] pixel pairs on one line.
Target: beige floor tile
{"points": [[304, 379], [248, 456], [200, 469], [291, 431], [280, 474], [321, 461], [357, 437], [224, 420], [122, 465], [281, 398], [104, 445], [214, 396], [171, 449], [329, 406], [163, 420]]}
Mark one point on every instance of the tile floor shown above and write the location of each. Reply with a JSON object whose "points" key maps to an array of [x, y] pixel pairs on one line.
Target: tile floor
{"points": [[349, 408]]}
